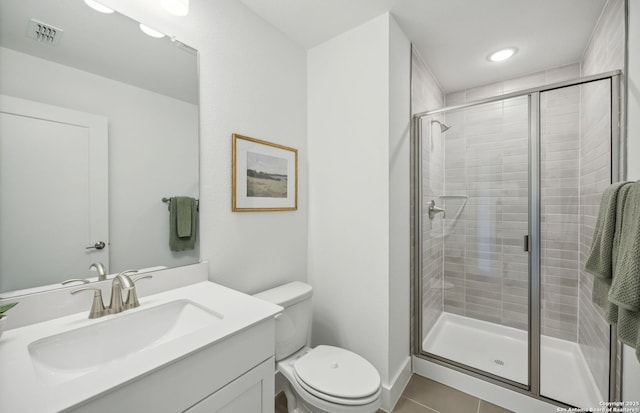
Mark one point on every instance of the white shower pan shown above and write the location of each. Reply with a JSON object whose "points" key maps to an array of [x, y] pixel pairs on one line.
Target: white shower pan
{"points": [[501, 350]]}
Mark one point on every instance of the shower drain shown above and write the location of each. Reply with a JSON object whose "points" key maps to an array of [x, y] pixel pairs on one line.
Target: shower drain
{"points": [[499, 362]]}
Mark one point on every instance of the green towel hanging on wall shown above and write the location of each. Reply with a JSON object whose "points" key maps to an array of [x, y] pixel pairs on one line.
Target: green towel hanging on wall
{"points": [[615, 261], [602, 255], [183, 222], [625, 288]]}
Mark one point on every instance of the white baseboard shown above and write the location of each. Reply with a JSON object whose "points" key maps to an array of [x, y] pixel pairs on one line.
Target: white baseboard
{"points": [[481, 389], [391, 393]]}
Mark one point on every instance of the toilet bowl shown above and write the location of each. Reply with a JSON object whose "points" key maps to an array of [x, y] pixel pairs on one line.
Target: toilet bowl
{"points": [[332, 380], [324, 379]]}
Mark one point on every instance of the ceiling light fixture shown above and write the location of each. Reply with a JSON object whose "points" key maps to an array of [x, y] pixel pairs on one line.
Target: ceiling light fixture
{"points": [[176, 7], [149, 31], [98, 7], [502, 54]]}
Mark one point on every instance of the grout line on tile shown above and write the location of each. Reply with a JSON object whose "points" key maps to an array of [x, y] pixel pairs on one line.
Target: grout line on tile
{"points": [[420, 404], [479, 402]]}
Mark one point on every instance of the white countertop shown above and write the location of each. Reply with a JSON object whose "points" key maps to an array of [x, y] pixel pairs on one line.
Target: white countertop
{"points": [[23, 390]]}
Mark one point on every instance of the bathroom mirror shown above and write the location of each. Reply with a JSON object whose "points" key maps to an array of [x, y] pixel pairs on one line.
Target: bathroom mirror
{"points": [[99, 124]]}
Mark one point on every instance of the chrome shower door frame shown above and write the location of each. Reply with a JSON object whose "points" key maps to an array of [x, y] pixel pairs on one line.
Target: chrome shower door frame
{"points": [[618, 168]]}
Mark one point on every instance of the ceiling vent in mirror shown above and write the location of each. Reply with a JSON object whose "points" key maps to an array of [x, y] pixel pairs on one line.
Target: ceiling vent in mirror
{"points": [[44, 32]]}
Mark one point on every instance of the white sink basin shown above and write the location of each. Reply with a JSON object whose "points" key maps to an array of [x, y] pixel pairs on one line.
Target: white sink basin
{"points": [[73, 353], [61, 364]]}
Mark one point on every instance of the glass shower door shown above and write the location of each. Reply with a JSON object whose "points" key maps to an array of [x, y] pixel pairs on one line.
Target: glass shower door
{"points": [[576, 167], [500, 278], [474, 261]]}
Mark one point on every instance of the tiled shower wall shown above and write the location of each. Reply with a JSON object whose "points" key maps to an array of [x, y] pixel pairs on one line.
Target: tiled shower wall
{"points": [[485, 270], [595, 176], [432, 238], [485, 267], [559, 208], [604, 53], [427, 95]]}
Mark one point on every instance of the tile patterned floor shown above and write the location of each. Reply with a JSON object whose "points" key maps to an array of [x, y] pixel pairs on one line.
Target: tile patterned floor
{"points": [[427, 396]]}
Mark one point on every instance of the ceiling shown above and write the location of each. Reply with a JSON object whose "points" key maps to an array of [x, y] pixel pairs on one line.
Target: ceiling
{"points": [[454, 37], [109, 45]]}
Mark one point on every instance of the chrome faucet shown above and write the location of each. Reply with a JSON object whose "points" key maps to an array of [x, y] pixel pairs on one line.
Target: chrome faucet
{"points": [[102, 273], [121, 282]]}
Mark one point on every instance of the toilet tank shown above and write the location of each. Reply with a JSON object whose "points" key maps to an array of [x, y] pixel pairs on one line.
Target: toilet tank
{"points": [[292, 325]]}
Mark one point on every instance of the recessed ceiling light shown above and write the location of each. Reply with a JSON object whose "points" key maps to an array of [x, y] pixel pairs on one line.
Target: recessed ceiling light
{"points": [[98, 7], [149, 31], [176, 7], [502, 54]]}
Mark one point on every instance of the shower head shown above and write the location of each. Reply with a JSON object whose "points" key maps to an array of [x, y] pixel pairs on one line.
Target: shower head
{"points": [[443, 126]]}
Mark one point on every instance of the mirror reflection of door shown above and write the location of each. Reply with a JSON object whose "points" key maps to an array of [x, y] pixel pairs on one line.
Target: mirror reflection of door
{"points": [[50, 215]]}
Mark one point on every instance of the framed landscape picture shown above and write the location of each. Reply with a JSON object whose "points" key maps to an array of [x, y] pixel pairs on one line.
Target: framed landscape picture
{"points": [[264, 176]]}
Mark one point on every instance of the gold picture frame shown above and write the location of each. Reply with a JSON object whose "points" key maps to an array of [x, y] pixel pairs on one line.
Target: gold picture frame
{"points": [[264, 176]]}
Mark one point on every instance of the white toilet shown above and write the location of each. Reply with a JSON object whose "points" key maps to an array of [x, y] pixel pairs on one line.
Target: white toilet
{"points": [[324, 379]]}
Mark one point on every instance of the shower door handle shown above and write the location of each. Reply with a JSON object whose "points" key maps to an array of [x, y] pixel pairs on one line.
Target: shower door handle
{"points": [[526, 243]]}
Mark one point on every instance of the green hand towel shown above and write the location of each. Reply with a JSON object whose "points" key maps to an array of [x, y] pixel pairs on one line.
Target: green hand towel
{"points": [[625, 288], [600, 261], [183, 218], [611, 309]]}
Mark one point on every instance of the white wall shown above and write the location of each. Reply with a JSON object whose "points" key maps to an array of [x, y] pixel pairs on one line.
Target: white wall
{"points": [[252, 82], [358, 94], [399, 199], [348, 190], [146, 135], [631, 366]]}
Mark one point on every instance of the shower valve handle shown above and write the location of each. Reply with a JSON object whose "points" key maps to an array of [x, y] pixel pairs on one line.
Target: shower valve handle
{"points": [[433, 210]]}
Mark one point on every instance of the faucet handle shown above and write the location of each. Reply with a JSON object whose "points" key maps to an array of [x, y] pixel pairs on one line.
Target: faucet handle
{"points": [[124, 278], [128, 272], [141, 277], [97, 307], [132, 295], [75, 280]]}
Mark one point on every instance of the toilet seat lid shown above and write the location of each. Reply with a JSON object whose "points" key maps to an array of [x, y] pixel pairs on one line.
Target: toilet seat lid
{"points": [[337, 372]]}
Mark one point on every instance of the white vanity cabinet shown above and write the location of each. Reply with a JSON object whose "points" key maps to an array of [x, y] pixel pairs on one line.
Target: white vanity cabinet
{"points": [[234, 375], [251, 392], [198, 348]]}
